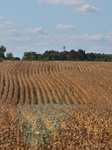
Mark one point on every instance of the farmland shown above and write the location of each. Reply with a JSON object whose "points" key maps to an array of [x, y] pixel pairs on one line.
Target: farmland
{"points": [[55, 104], [55, 82]]}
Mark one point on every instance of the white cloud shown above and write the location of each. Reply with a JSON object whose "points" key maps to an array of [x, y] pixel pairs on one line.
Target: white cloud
{"points": [[110, 32], [15, 32], [86, 9], [11, 28], [63, 37], [108, 38], [18, 39], [63, 2], [65, 27], [19, 48], [96, 37], [36, 30], [1, 18], [39, 44], [42, 36]]}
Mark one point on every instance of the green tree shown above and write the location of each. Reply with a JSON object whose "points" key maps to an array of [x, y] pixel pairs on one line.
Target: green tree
{"points": [[29, 56], [105, 58], [63, 55], [82, 52], [73, 55], [56, 55], [16, 58], [90, 56], [2, 51], [9, 55], [51, 54]]}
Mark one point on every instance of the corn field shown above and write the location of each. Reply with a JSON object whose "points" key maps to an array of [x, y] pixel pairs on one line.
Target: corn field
{"points": [[76, 110], [55, 82]]}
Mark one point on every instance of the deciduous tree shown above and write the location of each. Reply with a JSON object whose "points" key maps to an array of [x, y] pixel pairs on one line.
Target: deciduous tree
{"points": [[2, 51]]}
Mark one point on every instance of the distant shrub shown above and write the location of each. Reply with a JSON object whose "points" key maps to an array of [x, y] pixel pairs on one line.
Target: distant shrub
{"points": [[109, 59], [12, 58], [43, 59], [39, 58], [1, 59], [47, 58]]}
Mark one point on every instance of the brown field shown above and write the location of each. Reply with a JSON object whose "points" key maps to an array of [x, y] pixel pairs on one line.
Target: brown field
{"points": [[55, 104], [55, 82]]}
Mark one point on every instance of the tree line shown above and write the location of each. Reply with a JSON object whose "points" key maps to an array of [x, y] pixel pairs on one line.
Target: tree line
{"points": [[9, 56], [73, 55]]}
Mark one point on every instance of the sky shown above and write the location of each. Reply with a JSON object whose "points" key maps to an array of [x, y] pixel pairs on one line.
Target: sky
{"points": [[40, 25]]}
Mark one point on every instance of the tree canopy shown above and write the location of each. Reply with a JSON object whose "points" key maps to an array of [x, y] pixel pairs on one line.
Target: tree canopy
{"points": [[2, 51], [9, 55]]}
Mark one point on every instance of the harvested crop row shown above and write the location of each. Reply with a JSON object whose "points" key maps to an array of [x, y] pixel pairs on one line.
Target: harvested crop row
{"points": [[6, 85], [63, 82]]}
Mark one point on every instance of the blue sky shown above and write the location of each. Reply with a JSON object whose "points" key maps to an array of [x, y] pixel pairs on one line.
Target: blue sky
{"points": [[40, 25]]}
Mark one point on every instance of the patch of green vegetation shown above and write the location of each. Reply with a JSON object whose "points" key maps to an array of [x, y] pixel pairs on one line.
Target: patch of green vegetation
{"points": [[38, 136], [1, 59]]}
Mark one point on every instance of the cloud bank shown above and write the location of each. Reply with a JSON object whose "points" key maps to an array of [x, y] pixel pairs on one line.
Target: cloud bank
{"points": [[86, 9], [96, 42], [15, 32]]}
